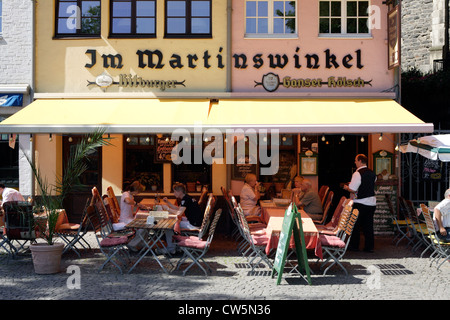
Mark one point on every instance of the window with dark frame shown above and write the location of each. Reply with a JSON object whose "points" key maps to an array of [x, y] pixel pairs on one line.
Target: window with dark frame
{"points": [[344, 17], [78, 18], [140, 162], [130, 18], [188, 19]]}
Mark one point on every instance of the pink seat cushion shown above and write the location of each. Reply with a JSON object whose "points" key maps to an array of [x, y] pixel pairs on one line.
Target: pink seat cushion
{"points": [[110, 242], [178, 237], [260, 240], [192, 242], [331, 241], [68, 226]]}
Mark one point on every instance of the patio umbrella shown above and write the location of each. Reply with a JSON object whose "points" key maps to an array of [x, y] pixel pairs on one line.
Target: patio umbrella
{"points": [[435, 147]]}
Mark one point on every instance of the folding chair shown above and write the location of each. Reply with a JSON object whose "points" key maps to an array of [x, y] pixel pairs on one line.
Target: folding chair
{"points": [[419, 228], [205, 222], [255, 244], [413, 229], [72, 234], [195, 248], [326, 210], [441, 248], [323, 190], [4, 242], [335, 247], [401, 225], [19, 225], [111, 246], [235, 233], [114, 204], [341, 216]]}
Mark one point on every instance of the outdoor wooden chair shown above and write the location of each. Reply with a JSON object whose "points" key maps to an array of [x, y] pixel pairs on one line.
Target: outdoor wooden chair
{"points": [[73, 234], [115, 207], [19, 225], [326, 210], [340, 215], [441, 248], [205, 222], [420, 228], [254, 244], [235, 232], [414, 232], [195, 248], [323, 190], [335, 247], [111, 245], [400, 225]]}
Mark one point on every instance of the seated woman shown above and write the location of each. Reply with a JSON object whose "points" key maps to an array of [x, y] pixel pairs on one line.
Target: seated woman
{"points": [[127, 212], [250, 195], [297, 193]]}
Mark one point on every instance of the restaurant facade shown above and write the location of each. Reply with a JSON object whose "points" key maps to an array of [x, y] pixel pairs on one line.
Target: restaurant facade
{"points": [[277, 88]]}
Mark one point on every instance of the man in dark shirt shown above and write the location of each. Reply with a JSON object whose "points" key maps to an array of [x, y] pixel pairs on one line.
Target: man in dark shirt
{"points": [[191, 210], [189, 207]]}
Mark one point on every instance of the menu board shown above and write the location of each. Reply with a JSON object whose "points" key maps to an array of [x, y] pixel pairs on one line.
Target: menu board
{"points": [[164, 148], [382, 220], [292, 225], [431, 170]]}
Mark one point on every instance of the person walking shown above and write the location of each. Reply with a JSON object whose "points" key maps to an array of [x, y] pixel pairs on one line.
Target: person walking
{"points": [[362, 191]]}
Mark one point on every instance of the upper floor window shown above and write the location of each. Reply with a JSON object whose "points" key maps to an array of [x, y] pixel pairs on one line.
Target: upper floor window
{"points": [[78, 18], [344, 17], [133, 18], [270, 17], [188, 18]]}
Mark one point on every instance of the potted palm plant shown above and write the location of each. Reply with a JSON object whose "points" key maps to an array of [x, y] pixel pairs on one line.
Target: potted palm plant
{"points": [[47, 254]]}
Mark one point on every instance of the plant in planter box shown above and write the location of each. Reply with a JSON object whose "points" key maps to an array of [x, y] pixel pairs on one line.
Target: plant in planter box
{"points": [[52, 196]]}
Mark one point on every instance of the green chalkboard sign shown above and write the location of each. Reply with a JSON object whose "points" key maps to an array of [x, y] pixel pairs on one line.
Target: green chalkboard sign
{"points": [[292, 225]]}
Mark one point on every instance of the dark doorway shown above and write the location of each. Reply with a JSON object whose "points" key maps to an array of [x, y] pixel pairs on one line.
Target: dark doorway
{"points": [[76, 201], [337, 161]]}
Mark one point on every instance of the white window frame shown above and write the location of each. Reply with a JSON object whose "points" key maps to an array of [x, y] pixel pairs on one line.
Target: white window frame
{"points": [[344, 17], [270, 19]]}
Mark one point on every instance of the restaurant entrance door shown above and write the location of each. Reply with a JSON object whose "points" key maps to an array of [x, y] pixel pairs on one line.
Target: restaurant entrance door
{"points": [[337, 161], [76, 200]]}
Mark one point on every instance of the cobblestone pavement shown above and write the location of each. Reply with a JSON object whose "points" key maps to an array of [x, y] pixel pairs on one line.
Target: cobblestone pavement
{"points": [[389, 273]]}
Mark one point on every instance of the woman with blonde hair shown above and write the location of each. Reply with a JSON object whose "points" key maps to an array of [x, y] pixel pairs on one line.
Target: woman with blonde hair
{"points": [[250, 195]]}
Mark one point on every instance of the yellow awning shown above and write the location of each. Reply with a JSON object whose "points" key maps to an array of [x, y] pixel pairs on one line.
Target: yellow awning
{"points": [[166, 115]]}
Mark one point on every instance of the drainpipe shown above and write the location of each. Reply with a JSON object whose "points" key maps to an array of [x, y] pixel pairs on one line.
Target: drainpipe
{"points": [[33, 83], [228, 84], [229, 11]]}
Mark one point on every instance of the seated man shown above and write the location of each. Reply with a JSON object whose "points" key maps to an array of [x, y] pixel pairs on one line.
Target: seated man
{"points": [[310, 202], [250, 195], [441, 217], [8, 194], [189, 209]]}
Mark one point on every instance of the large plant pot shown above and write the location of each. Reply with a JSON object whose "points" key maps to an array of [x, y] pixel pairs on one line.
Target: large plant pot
{"points": [[46, 258]]}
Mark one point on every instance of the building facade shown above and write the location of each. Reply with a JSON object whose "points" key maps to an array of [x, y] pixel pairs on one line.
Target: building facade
{"points": [[237, 80]]}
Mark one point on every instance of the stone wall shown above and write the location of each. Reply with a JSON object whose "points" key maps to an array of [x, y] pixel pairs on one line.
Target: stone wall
{"points": [[416, 34]]}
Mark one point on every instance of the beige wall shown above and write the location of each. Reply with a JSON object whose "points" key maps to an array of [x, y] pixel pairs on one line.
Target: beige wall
{"points": [[60, 63]]}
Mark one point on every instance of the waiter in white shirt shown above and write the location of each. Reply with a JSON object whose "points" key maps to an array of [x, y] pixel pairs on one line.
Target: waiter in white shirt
{"points": [[362, 191]]}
